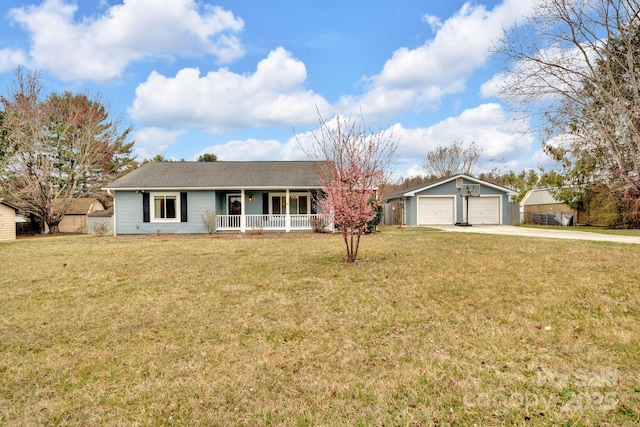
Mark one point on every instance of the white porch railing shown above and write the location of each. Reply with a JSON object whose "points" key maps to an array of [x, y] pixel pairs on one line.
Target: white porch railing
{"points": [[268, 222]]}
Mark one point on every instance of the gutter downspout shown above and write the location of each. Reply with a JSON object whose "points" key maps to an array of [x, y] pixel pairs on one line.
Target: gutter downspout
{"points": [[115, 233]]}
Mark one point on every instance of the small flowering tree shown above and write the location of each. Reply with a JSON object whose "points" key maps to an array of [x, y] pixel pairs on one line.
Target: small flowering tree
{"points": [[355, 162]]}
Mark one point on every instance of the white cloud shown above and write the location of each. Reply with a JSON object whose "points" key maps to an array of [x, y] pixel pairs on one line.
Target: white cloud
{"points": [[251, 149], [501, 138], [434, 22], [504, 141], [423, 76], [10, 59], [257, 149], [275, 94], [222, 100], [542, 159], [151, 141], [100, 48]]}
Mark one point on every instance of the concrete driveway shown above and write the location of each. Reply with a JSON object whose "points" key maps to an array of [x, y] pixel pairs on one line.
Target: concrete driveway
{"points": [[538, 232]]}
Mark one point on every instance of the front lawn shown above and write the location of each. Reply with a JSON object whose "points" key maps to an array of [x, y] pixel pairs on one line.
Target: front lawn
{"points": [[428, 328]]}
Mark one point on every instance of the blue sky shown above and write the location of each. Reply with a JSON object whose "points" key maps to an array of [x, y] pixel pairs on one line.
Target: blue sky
{"points": [[243, 79]]}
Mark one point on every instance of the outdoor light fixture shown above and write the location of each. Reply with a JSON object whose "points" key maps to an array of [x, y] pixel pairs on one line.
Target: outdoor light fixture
{"points": [[250, 199]]}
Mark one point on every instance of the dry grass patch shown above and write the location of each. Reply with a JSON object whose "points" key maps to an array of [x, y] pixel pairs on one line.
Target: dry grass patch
{"points": [[429, 328], [589, 229]]}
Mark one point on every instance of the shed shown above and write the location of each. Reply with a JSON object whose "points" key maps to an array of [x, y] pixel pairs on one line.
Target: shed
{"points": [[539, 206], [75, 219], [442, 202], [7, 221]]}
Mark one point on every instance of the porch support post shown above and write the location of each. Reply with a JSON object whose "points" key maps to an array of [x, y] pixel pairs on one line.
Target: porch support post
{"points": [[287, 215], [243, 218]]}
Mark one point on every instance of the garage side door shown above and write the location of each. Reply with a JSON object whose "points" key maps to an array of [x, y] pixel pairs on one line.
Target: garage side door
{"points": [[484, 210], [435, 210]]}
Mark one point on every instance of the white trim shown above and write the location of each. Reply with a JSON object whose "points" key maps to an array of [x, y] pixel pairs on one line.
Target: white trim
{"points": [[287, 214], [243, 215], [451, 178], [152, 207], [115, 217]]}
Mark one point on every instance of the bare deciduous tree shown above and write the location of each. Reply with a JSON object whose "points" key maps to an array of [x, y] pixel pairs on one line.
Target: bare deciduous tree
{"points": [[574, 63], [66, 146], [355, 162], [443, 161]]}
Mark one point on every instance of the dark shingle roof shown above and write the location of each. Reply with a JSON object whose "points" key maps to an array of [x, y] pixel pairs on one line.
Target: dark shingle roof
{"points": [[212, 175]]}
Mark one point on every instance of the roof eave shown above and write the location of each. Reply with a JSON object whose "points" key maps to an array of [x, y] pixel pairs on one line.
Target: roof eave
{"points": [[439, 182], [255, 187]]}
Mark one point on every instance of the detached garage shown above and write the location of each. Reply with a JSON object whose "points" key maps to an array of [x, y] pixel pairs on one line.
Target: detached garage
{"points": [[441, 202]]}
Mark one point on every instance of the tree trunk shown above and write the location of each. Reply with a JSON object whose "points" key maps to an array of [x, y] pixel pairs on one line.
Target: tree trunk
{"points": [[345, 237], [351, 242], [54, 227]]}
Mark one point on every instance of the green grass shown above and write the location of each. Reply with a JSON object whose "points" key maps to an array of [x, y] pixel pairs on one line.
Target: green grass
{"points": [[428, 328], [585, 228]]}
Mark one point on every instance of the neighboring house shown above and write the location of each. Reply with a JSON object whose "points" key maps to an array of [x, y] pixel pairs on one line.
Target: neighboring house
{"points": [[539, 206], [171, 197], [440, 202], [7, 221], [75, 219]]}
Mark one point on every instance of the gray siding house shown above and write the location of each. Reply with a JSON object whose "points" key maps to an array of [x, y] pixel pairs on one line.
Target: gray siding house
{"points": [[171, 197], [441, 202]]}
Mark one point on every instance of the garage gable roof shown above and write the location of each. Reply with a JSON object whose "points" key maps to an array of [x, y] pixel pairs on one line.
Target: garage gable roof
{"points": [[409, 192]]}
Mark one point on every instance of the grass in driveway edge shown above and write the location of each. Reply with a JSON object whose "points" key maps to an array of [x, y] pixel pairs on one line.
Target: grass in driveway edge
{"points": [[588, 229], [427, 328]]}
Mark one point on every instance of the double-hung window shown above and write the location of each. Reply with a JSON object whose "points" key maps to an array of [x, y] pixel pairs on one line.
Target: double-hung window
{"points": [[165, 207]]}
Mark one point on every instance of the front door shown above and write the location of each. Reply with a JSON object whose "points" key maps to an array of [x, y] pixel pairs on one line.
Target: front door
{"points": [[235, 205]]}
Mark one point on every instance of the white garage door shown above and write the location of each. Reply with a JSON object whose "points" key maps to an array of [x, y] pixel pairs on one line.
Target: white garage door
{"points": [[435, 210], [484, 210]]}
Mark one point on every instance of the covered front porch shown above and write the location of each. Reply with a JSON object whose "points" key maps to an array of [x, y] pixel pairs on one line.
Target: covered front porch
{"points": [[269, 210], [271, 222]]}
